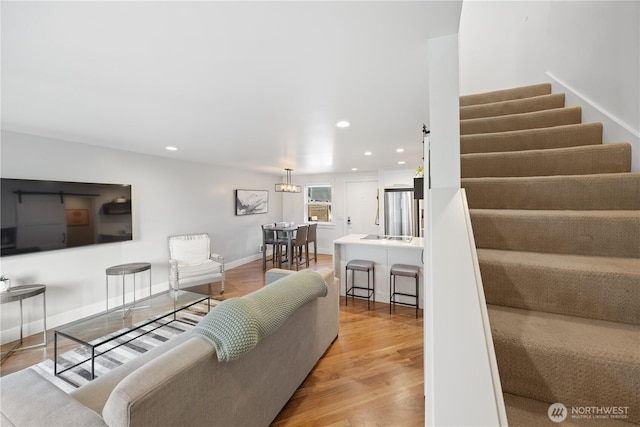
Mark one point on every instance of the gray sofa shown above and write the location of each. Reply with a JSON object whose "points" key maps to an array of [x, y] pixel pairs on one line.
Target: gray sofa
{"points": [[182, 383]]}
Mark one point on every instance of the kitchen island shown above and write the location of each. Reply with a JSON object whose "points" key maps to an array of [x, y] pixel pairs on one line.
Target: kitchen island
{"points": [[384, 251]]}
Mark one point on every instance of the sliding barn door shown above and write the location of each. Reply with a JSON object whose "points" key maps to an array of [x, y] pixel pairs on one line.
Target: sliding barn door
{"points": [[41, 222]]}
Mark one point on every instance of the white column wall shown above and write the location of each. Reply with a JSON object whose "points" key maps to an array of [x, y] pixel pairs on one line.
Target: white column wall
{"points": [[459, 376]]}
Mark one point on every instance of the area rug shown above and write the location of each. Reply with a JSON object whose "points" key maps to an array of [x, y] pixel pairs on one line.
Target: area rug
{"points": [[121, 350]]}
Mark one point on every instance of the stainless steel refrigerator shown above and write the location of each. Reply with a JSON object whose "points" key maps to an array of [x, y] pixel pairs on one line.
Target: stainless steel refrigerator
{"points": [[401, 212]]}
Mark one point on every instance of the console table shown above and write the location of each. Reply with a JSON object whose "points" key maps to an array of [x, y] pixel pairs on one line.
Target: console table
{"points": [[122, 270], [20, 293]]}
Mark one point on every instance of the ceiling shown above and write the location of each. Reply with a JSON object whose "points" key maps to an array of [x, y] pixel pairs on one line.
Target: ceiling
{"points": [[256, 85]]}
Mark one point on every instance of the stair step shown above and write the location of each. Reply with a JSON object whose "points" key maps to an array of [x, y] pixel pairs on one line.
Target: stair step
{"points": [[592, 159], [514, 106], [533, 139], [575, 361], [594, 233], [535, 413], [574, 192], [506, 94], [537, 119], [601, 288]]}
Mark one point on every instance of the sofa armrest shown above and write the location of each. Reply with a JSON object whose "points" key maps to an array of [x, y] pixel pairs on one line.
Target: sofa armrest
{"points": [[162, 390], [94, 394]]}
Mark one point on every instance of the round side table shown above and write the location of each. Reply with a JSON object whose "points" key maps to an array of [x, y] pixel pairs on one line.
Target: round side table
{"points": [[122, 270], [19, 293]]}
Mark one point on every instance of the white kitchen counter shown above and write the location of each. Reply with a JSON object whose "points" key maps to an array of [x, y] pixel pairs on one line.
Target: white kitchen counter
{"points": [[384, 253], [357, 239]]}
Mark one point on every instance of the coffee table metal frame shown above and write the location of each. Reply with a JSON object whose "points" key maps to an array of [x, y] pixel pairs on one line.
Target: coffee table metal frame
{"points": [[104, 327]]}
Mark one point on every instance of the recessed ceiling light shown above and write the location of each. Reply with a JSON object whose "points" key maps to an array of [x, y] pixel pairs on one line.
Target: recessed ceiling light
{"points": [[399, 150], [367, 153], [171, 148], [401, 162], [354, 169], [343, 124]]}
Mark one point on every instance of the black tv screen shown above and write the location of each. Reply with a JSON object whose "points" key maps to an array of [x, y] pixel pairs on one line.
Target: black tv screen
{"points": [[48, 215]]}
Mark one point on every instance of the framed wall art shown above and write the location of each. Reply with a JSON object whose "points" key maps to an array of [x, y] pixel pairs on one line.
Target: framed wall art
{"points": [[249, 202]]}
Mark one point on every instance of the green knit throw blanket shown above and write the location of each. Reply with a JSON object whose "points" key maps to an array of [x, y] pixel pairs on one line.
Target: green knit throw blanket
{"points": [[236, 325]]}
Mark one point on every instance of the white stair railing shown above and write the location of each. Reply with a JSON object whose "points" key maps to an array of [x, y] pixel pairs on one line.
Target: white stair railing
{"points": [[461, 375]]}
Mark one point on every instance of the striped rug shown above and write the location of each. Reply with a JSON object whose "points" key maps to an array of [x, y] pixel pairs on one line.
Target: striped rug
{"points": [[121, 350]]}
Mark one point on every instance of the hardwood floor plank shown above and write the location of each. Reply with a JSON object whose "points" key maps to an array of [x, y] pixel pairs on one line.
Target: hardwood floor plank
{"points": [[371, 375]]}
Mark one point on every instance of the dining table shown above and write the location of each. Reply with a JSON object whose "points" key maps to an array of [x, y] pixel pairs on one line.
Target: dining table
{"points": [[289, 230]]}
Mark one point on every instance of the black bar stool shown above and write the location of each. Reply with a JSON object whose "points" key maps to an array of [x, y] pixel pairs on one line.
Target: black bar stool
{"points": [[403, 270], [360, 265]]}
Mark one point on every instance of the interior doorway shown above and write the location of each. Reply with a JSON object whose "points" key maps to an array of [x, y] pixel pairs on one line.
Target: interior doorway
{"points": [[361, 207]]}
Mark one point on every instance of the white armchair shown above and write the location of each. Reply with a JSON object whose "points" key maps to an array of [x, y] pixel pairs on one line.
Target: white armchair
{"points": [[192, 263]]}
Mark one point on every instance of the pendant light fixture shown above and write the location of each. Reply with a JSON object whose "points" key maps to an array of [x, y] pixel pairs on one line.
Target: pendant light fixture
{"points": [[288, 187]]}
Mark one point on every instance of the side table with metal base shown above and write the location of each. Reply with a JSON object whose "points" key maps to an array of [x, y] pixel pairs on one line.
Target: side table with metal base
{"points": [[122, 270], [19, 293]]}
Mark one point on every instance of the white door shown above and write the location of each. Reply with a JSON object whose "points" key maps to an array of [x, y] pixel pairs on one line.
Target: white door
{"points": [[41, 222], [361, 207]]}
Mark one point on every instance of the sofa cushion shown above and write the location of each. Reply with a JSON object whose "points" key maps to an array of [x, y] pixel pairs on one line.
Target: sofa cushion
{"points": [[197, 270], [47, 404], [237, 324]]}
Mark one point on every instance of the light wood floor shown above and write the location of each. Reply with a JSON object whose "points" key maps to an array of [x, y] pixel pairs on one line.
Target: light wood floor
{"points": [[371, 375]]}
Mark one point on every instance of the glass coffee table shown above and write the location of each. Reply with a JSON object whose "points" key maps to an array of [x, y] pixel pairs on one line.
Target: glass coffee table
{"points": [[102, 328]]}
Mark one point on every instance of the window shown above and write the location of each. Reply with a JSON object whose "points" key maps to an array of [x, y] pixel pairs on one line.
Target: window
{"points": [[318, 203]]}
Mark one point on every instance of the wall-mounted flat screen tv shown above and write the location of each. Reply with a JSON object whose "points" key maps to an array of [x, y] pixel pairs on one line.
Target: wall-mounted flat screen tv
{"points": [[48, 215]]}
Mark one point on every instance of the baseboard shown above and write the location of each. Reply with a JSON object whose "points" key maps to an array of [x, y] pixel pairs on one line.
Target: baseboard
{"points": [[614, 129], [242, 261]]}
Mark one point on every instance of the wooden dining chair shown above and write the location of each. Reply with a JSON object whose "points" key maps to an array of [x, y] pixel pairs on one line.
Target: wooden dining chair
{"points": [[281, 247], [269, 239], [299, 244], [311, 238]]}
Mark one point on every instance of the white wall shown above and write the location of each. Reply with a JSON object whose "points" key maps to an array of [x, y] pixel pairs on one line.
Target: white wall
{"points": [[169, 197], [588, 49], [502, 44]]}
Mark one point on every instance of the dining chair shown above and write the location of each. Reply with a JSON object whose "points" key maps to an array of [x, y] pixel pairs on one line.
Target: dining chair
{"points": [[311, 238], [269, 239], [281, 245], [299, 244]]}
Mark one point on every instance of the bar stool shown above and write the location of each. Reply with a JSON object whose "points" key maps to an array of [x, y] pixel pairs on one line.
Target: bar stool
{"points": [[360, 265], [403, 270]]}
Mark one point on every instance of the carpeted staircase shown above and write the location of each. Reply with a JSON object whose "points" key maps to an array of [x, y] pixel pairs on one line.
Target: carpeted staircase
{"points": [[556, 219]]}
